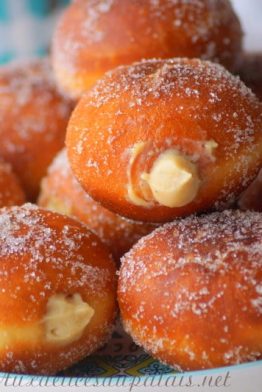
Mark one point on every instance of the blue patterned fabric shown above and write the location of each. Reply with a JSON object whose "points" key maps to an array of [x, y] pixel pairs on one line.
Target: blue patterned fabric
{"points": [[26, 27]]}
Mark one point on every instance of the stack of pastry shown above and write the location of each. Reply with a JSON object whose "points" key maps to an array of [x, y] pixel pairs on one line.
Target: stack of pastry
{"points": [[160, 147]]}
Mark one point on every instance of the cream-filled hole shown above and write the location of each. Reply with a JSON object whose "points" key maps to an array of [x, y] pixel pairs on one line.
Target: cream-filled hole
{"points": [[66, 318], [173, 180]]}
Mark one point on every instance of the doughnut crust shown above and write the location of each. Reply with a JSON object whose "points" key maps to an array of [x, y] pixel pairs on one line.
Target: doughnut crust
{"points": [[166, 138], [11, 192], [94, 36], [33, 119], [61, 192], [57, 296], [190, 293]]}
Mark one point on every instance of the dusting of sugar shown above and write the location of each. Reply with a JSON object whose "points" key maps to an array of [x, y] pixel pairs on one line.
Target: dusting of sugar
{"points": [[115, 231], [33, 116], [38, 243], [219, 257], [32, 245], [201, 23], [23, 84], [215, 102]]}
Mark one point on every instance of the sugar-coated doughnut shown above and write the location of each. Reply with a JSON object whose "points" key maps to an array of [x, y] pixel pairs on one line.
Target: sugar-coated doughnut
{"points": [[251, 72], [166, 138], [33, 119], [61, 192], [57, 291], [251, 199], [11, 192], [94, 36], [191, 292]]}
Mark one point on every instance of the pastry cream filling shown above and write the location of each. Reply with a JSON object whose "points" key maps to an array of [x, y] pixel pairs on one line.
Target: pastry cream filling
{"points": [[132, 196], [66, 318], [173, 179], [210, 147]]}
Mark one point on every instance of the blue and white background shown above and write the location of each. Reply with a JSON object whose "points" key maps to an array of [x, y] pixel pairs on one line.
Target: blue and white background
{"points": [[26, 27]]}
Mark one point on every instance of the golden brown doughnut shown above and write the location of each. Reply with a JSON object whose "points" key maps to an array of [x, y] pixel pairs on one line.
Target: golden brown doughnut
{"points": [[166, 138], [94, 36], [61, 192], [57, 291], [191, 292], [251, 199], [33, 119], [11, 192], [251, 72]]}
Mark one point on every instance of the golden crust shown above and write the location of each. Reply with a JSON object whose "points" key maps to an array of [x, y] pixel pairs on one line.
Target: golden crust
{"points": [[95, 36], [134, 114], [33, 119], [191, 292], [61, 192], [44, 254]]}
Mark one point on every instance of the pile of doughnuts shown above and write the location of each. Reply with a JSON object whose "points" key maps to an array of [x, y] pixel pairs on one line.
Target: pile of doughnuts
{"points": [[61, 192], [143, 125], [33, 119], [191, 292], [57, 295], [142, 152], [93, 37]]}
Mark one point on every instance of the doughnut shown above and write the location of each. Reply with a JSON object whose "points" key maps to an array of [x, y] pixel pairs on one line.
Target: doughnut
{"points": [[94, 36], [251, 72], [251, 199], [57, 291], [61, 192], [33, 119], [190, 292], [166, 138], [11, 192]]}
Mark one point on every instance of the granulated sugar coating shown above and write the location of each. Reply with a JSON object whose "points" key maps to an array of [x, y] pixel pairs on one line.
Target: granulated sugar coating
{"points": [[135, 116], [33, 119], [61, 192], [94, 36], [49, 262], [191, 292]]}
